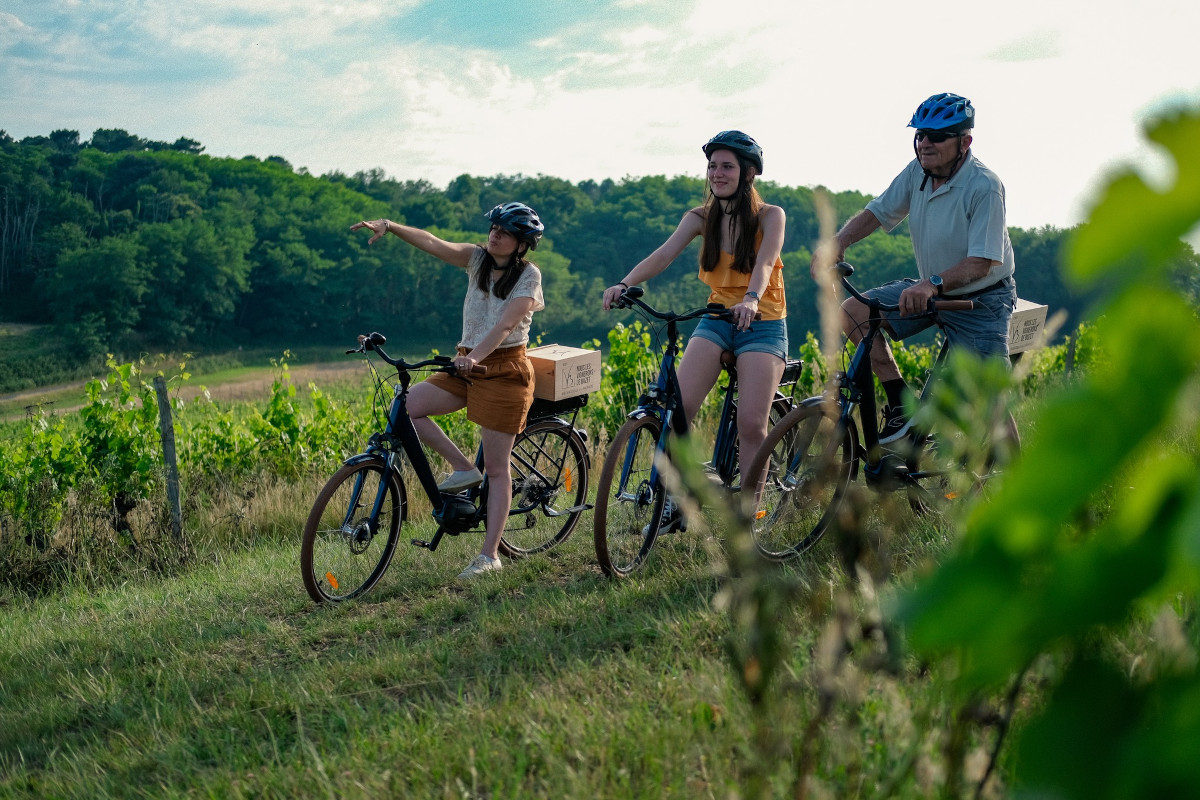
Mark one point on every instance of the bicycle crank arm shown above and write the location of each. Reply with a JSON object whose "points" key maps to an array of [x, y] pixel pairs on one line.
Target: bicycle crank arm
{"points": [[567, 511], [430, 545]]}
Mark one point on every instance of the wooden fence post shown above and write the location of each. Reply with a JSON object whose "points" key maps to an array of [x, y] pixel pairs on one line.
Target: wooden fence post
{"points": [[167, 428]]}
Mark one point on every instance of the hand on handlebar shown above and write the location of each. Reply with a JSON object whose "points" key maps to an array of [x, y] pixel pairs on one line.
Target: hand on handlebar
{"points": [[464, 365], [744, 313], [915, 299], [611, 294]]}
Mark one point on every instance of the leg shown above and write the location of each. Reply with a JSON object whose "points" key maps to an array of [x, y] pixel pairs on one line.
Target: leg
{"points": [[882, 360], [758, 378], [497, 449], [698, 372], [425, 401]]}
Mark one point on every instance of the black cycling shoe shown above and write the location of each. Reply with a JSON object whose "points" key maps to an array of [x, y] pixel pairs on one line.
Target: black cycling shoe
{"points": [[895, 424]]}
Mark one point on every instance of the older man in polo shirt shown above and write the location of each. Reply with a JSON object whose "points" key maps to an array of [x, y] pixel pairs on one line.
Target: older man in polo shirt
{"points": [[955, 207]]}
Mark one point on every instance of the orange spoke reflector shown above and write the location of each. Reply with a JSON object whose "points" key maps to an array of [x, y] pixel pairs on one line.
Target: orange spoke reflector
{"points": [[951, 495], [332, 580], [759, 514], [567, 480]]}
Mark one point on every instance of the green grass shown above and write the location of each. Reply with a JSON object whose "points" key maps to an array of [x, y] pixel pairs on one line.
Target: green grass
{"points": [[222, 679], [545, 680]]}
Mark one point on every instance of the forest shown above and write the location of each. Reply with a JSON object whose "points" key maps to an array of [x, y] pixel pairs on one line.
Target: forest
{"points": [[125, 245]]}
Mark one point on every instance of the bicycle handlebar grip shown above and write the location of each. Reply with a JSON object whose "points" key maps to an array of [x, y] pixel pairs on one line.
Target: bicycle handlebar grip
{"points": [[954, 305]]}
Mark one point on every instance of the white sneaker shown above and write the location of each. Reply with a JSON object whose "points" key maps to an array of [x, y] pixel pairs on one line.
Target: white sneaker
{"points": [[461, 480], [478, 566]]}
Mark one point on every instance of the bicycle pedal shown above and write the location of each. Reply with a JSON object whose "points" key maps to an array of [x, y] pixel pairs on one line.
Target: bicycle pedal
{"points": [[889, 474], [421, 543]]}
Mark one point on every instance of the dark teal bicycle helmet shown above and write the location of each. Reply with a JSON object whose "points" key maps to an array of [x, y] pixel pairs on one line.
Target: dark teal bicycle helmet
{"points": [[738, 143], [952, 113], [520, 220]]}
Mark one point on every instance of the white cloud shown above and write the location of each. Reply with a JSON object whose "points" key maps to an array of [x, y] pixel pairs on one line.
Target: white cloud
{"points": [[826, 88]]}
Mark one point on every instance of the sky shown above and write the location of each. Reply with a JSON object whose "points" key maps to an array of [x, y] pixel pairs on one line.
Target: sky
{"points": [[595, 89]]}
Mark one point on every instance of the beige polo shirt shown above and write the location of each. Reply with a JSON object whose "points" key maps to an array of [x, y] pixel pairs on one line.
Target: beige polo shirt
{"points": [[964, 217]]}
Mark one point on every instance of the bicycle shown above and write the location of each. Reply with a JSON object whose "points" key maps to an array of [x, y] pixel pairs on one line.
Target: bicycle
{"points": [[354, 526], [808, 460], [630, 495]]}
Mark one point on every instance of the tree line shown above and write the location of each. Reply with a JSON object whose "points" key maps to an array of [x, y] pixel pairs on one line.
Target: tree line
{"points": [[123, 243]]}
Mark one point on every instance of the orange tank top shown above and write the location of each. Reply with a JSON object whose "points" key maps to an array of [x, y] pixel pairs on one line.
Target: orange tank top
{"points": [[729, 286]]}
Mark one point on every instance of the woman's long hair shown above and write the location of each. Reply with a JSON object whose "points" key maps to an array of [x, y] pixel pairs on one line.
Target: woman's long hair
{"points": [[502, 287], [744, 208]]}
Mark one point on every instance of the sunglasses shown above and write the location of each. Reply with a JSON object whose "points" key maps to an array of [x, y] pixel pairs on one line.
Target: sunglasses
{"points": [[937, 137]]}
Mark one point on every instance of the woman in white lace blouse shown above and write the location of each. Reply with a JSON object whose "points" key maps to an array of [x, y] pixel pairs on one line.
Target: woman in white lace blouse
{"points": [[503, 291]]}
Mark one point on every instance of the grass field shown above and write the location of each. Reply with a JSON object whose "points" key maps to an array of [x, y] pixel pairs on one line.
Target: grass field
{"points": [[218, 677], [546, 680]]}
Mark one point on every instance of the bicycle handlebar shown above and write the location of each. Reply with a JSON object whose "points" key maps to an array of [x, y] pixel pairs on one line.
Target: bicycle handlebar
{"points": [[633, 296], [844, 270], [375, 341]]}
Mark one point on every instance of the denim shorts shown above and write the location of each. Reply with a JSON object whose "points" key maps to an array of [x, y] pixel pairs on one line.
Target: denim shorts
{"points": [[982, 330], [763, 336]]}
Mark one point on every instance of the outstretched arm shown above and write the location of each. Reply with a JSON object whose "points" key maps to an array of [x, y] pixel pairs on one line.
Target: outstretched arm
{"points": [[456, 254], [689, 228]]}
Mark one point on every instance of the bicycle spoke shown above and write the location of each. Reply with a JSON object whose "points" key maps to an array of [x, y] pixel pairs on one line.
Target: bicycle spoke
{"points": [[550, 484], [629, 501], [346, 546]]}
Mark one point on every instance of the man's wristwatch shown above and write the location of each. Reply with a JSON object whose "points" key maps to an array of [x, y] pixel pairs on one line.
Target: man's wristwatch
{"points": [[752, 295], [936, 282]]}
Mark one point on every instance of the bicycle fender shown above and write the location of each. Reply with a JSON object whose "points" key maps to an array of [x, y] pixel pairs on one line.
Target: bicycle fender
{"points": [[364, 457]]}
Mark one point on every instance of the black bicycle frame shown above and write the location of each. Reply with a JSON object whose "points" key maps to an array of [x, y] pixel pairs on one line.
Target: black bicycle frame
{"points": [[724, 461]]}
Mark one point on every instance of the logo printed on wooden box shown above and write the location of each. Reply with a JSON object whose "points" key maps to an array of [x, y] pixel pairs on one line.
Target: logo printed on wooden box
{"points": [[561, 372], [1025, 326]]}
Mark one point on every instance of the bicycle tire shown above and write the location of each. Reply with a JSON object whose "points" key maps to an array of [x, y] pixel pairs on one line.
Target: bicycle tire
{"points": [[550, 475], [344, 553], [805, 466], [629, 504]]}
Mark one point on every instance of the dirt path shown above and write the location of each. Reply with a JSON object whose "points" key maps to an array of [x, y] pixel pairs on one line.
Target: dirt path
{"points": [[251, 387]]}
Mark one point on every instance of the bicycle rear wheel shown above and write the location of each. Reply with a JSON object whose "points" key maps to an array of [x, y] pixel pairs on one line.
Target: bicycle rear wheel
{"points": [[550, 486], [345, 549], [629, 504], [804, 467]]}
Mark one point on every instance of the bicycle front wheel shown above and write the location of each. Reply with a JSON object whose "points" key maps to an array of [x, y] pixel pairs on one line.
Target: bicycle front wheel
{"points": [[550, 486], [347, 546], [804, 468], [629, 503]]}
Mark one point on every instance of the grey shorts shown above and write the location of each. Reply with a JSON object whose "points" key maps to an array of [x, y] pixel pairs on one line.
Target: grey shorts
{"points": [[983, 330], [763, 336]]}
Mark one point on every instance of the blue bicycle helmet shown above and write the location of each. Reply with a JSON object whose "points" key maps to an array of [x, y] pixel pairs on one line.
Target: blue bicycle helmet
{"points": [[520, 220], [952, 113], [740, 144]]}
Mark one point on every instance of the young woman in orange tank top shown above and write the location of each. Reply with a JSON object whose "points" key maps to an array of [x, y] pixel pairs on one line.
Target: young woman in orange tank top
{"points": [[739, 261]]}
